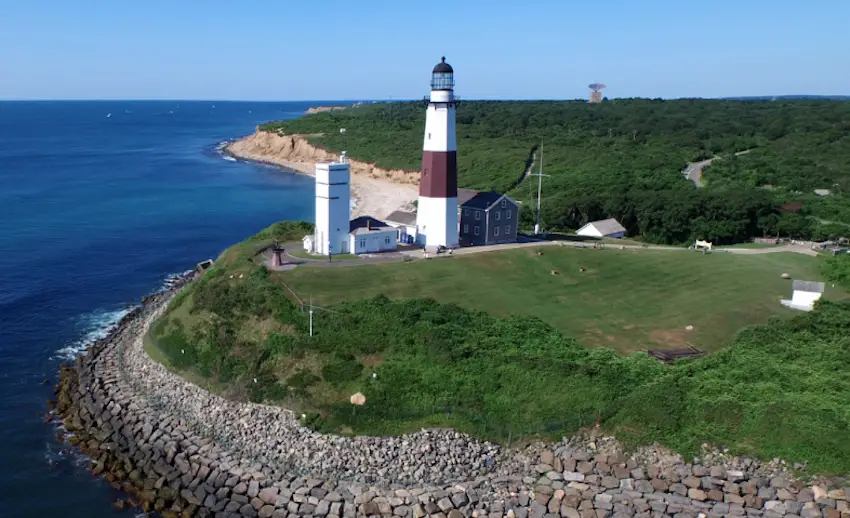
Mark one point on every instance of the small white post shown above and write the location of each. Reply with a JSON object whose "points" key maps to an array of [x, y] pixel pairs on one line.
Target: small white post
{"points": [[311, 316]]}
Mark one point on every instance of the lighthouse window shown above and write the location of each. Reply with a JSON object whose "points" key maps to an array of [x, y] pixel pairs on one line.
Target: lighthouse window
{"points": [[476, 230], [507, 230], [497, 215], [429, 136], [477, 216], [504, 203], [495, 231], [508, 215]]}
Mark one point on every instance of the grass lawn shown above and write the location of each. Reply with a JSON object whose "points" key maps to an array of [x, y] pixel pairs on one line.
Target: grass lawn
{"points": [[625, 299], [750, 245]]}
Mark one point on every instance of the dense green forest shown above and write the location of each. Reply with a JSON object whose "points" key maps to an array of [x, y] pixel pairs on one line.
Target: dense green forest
{"points": [[624, 159], [779, 390]]}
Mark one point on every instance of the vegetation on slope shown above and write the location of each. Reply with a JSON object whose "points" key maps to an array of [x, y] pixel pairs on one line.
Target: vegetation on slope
{"points": [[624, 158], [779, 390]]}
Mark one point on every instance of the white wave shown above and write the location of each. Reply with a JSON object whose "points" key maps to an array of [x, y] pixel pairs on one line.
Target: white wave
{"points": [[172, 279], [94, 326], [228, 158]]}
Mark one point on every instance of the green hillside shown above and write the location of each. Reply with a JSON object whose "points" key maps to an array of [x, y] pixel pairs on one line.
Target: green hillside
{"points": [[624, 158], [779, 390]]}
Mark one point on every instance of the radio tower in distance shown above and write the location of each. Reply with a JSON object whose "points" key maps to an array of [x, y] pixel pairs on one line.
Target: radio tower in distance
{"points": [[596, 92]]}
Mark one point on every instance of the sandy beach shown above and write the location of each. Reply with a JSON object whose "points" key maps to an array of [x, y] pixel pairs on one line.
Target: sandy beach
{"points": [[377, 192]]}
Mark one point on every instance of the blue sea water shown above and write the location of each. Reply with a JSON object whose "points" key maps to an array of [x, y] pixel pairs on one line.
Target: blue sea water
{"points": [[95, 211]]}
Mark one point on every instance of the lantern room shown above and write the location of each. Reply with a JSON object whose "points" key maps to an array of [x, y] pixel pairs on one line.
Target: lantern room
{"points": [[442, 77]]}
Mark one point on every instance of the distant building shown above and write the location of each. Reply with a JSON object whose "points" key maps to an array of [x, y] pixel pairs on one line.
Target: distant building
{"points": [[405, 225], [791, 207], [487, 218], [806, 293], [603, 228], [369, 235]]}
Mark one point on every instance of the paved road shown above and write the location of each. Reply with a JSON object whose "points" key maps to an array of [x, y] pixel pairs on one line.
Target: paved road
{"points": [[417, 254], [693, 171]]}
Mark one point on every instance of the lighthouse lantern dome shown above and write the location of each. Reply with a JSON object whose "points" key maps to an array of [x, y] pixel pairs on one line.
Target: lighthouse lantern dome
{"points": [[442, 77]]}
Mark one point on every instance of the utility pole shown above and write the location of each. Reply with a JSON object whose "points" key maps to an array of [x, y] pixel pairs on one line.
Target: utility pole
{"points": [[311, 315], [539, 176]]}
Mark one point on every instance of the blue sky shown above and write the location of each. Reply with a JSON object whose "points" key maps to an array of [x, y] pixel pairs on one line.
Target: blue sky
{"points": [[369, 49]]}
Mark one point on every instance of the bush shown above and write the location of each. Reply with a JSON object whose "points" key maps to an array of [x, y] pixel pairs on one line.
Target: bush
{"points": [[342, 369]]}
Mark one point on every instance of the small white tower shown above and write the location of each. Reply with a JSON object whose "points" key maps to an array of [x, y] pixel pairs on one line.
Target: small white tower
{"points": [[436, 214], [333, 207]]}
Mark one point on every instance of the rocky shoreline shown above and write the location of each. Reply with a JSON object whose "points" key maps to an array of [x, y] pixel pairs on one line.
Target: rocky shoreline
{"points": [[181, 451]]}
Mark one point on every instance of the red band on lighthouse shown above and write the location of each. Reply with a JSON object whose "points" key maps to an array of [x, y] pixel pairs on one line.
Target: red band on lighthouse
{"points": [[439, 174]]}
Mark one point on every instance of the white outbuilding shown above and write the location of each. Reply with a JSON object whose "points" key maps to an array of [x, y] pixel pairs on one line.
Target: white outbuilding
{"points": [[405, 224], [806, 293], [602, 228], [368, 235]]}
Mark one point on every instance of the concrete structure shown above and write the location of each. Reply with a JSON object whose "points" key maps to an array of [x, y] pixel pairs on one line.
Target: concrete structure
{"points": [[603, 228], [405, 225], [806, 293], [333, 208], [308, 243], [488, 218], [369, 235], [436, 217]]}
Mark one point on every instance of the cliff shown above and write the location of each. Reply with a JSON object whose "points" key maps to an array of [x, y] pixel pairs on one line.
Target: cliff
{"points": [[377, 191], [296, 152]]}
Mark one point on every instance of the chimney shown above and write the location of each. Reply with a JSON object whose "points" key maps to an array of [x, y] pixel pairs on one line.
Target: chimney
{"points": [[368, 224]]}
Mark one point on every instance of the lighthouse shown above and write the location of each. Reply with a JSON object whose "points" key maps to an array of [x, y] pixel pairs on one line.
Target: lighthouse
{"points": [[437, 214]]}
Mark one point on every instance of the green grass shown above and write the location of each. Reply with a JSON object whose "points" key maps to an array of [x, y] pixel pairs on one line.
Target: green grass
{"points": [[626, 299], [750, 245]]}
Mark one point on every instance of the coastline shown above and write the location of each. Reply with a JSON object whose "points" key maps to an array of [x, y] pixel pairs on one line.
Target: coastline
{"points": [[182, 451], [377, 192]]}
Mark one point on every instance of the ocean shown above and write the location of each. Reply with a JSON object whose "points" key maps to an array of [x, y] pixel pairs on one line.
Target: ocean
{"points": [[99, 203]]}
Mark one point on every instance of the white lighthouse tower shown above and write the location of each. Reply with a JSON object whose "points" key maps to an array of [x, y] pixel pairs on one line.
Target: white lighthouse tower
{"points": [[333, 207], [436, 215]]}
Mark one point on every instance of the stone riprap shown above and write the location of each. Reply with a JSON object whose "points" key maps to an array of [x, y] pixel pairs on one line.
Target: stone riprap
{"points": [[182, 451]]}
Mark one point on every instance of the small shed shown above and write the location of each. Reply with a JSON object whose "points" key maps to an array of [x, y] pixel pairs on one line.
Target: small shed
{"points": [[805, 294], [405, 223], [603, 228], [369, 235]]}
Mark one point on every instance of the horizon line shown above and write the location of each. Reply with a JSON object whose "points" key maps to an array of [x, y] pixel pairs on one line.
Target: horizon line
{"points": [[391, 99]]}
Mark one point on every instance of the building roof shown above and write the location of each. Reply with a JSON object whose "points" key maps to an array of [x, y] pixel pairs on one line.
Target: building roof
{"points": [[443, 67], [402, 218], [367, 224], [791, 206], [810, 286], [607, 226], [464, 195], [483, 200]]}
